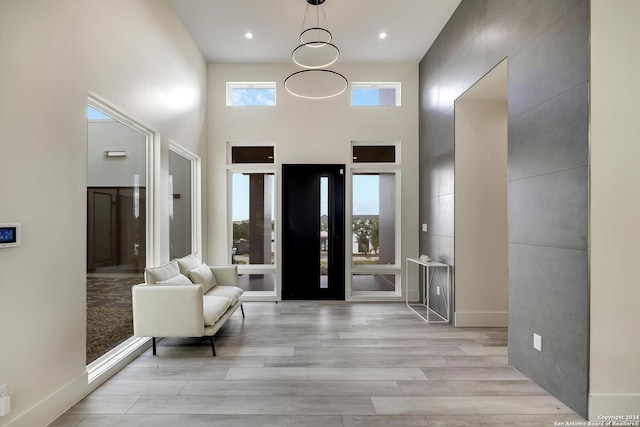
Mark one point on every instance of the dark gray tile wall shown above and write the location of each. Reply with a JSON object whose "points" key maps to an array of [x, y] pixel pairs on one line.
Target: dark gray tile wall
{"points": [[546, 43]]}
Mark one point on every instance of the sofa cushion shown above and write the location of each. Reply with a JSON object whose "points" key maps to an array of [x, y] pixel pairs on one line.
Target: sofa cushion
{"points": [[231, 292], [214, 308], [152, 275], [180, 279], [203, 276], [188, 263]]}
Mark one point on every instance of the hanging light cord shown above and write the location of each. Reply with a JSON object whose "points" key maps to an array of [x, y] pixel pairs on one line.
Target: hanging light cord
{"points": [[318, 70], [324, 15], [304, 20]]}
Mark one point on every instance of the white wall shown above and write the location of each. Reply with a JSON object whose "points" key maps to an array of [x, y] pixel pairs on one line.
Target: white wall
{"points": [[614, 383], [103, 171], [305, 131], [135, 54], [481, 213]]}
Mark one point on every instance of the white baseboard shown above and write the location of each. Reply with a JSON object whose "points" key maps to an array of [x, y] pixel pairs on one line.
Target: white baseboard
{"points": [[477, 319], [57, 403], [45, 411], [608, 405]]}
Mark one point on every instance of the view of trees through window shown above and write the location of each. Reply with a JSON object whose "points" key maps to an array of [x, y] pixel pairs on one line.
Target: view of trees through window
{"points": [[367, 234], [373, 223], [253, 218], [241, 239]]}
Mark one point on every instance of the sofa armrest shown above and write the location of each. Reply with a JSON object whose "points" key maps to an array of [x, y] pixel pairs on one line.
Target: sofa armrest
{"points": [[167, 310], [226, 275]]}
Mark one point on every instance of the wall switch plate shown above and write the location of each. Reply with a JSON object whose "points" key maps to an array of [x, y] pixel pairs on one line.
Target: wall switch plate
{"points": [[424, 228], [537, 342], [438, 290]]}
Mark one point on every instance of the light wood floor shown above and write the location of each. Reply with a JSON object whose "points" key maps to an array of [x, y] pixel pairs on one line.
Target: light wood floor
{"points": [[324, 364]]}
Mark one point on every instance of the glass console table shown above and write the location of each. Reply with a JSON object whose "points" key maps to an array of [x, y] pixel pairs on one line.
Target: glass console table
{"points": [[433, 305]]}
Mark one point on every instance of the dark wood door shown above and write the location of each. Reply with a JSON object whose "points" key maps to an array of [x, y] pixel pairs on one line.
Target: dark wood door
{"points": [[102, 246], [116, 229]]}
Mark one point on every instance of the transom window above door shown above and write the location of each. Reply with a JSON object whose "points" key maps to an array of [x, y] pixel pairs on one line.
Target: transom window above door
{"points": [[252, 154]]}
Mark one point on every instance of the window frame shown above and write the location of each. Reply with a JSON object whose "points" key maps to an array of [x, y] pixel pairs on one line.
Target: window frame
{"points": [[196, 202], [250, 85], [396, 268], [378, 85], [109, 363], [265, 168]]}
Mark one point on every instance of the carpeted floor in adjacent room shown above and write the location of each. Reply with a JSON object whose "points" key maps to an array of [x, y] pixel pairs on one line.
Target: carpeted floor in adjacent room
{"points": [[109, 314]]}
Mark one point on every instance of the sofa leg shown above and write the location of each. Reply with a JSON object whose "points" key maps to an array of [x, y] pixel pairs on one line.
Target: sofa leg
{"points": [[213, 347], [153, 341], [242, 310]]}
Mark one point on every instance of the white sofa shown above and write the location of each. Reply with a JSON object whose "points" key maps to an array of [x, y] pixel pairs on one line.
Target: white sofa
{"points": [[185, 298]]}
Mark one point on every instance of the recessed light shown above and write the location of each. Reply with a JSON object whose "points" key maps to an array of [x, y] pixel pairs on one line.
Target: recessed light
{"points": [[382, 35], [248, 35]]}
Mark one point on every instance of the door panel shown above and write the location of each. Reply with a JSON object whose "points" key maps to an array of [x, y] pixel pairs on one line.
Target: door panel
{"points": [[102, 243], [116, 234], [302, 232]]}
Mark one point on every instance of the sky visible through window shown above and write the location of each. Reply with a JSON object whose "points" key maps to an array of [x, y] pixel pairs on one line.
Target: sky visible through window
{"points": [[253, 96], [240, 196], [366, 200], [360, 97], [93, 114], [266, 96], [366, 195], [374, 96]]}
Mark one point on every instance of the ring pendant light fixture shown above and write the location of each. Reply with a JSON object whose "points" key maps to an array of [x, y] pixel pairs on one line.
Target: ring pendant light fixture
{"points": [[314, 54], [305, 55], [315, 35]]}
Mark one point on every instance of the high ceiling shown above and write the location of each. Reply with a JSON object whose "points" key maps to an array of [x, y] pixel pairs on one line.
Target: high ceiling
{"points": [[219, 26]]}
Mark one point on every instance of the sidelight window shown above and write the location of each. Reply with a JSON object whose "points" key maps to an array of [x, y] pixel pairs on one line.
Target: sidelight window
{"points": [[374, 219], [253, 219], [374, 232]]}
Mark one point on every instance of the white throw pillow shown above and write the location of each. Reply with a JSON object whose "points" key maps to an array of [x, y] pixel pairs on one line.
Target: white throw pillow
{"points": [[153, 275], [180, 279], [203, 276], [188, 263]]}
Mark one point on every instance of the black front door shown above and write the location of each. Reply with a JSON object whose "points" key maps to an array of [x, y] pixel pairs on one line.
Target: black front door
{"points": [[313, 232]]}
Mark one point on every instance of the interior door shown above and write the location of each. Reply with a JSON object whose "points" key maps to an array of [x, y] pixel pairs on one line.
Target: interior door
{"points": [[102, 232], [313, 232]]}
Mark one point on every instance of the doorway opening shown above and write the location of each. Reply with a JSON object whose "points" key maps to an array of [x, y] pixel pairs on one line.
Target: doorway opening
{"points": [[480, 213], [313, 232]]}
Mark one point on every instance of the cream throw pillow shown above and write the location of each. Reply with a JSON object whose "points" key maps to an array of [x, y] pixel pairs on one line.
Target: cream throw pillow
{"points": [[203, 276], [154, 275], [188, 263]]}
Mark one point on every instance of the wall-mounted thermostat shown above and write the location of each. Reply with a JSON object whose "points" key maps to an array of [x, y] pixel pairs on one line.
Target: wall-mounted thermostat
{"points": [[9, 235]]}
